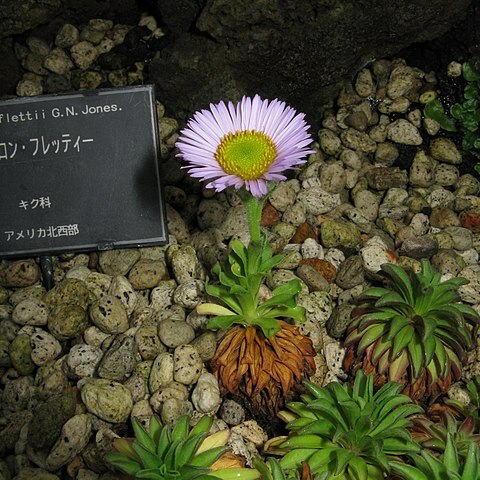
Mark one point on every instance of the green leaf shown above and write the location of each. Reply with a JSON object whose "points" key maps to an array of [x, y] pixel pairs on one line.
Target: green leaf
{"points": [[142, 437], [180, 430], [267, 265], [471, 469], [397, 324], [358, 468], [402, 339], [292, 287], [342, 458], [435, 111], [401, 281], [163, 442], [155, 429], [150, 474], [149, 459], [241, 251], [123, 462], [234, 474], [469, 73], [294, 458], [320, 458], [303, 441], [208, 457], [225, 321], [202, 426], [417, 357], [450, 456], [269, 326], [370, 335], [408, 472]]}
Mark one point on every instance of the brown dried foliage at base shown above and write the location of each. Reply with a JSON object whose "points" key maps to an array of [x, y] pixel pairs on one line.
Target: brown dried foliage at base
{"points": [[264, 370], [424, 388]]}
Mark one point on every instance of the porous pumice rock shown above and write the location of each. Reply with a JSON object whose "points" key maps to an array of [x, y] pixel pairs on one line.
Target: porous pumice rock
{"points": [[20, 273], [109, 315], [82, 360], [31, 312], [206, 394], [111, 401], [188, 364], [73, 438]]}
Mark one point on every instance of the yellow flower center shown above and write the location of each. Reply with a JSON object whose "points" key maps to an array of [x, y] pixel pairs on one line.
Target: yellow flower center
{"points": [[246, 154]]}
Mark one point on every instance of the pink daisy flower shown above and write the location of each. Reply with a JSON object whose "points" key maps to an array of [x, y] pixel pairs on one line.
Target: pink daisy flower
{"points": [[244, 145]]}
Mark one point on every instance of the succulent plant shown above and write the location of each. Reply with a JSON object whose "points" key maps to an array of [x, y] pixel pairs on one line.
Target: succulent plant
{"points": [[413, 332], [449, 466], [464, 116], [261, 356], [351, 433], [473, 408], [272, 470], [433, 435], [164, 454]]}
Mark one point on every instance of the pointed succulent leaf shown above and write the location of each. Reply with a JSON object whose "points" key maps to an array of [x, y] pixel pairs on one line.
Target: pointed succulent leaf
{"points": [[398, 323], [408, 472], [342, 459], [358, 468], [320, 458], [163, 442], [402, 339], [370, 335], [450, 456], [417, 357], [234, 474], [150, 474], [390, 298], [304, 441], [223, 322], [143, 438], [149, 459], [202, 426], [123, 462], [387, 391], [401, 281], [208, 457], [296, 456], [471, 468]]}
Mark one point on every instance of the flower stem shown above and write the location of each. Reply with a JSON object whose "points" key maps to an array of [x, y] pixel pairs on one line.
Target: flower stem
{"points": [[254, 208]]}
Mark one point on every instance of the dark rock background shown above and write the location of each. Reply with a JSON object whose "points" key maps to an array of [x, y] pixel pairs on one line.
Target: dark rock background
{"points": [[298, 50]]}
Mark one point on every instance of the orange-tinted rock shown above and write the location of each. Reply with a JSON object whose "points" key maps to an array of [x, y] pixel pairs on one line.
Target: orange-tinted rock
{"points": [[471, 220], [328, 271], [270, 216], [303, 232]]}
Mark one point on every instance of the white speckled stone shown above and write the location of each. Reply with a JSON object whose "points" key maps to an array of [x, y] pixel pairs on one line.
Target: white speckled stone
{"points": [[73, 439], [206, 394], [30, 312], [403, 132], [318, 201], [123, 290], [188, 364], [82, 360], [250, 430], [161, 373], [45, 347], [282, 197], [189, 294]]}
